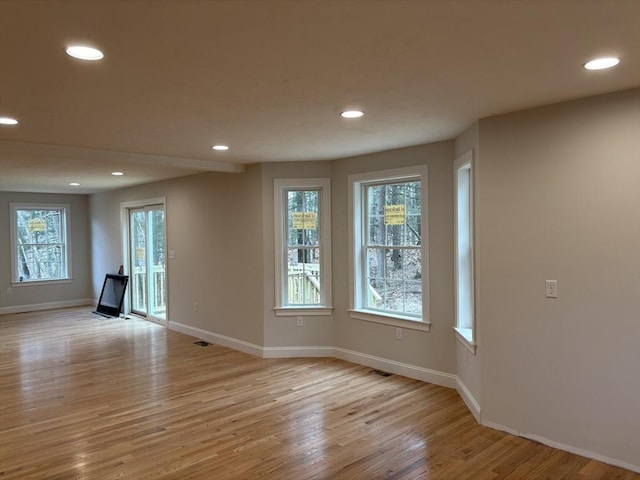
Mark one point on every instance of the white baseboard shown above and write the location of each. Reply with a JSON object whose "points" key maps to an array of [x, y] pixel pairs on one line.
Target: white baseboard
{"points": [[399, 368], [469, 400], [417, 373], [47, 306], [563, 446], [296, 352], [216, 338]]}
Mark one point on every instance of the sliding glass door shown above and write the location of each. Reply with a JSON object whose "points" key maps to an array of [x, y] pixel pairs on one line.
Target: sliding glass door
{"points": [[147, 247]]}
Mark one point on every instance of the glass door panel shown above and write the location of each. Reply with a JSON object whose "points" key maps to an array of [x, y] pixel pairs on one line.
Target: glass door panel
{"points": [[147, 260], [138, 260], [156, 254]]}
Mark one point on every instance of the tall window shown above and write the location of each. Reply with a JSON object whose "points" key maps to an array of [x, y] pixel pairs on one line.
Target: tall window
{"points": [[39, 235], [302, 226], [390, 245], [463, 208]]}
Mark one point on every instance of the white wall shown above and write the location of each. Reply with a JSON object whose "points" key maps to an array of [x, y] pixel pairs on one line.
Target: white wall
{"points": [[33, 297], [281, 333], [214, 224], [559, 199], [434, 350]]}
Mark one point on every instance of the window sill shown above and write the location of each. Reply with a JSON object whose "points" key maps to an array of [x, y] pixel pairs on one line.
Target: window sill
{"points": [[465, 337], [36, 283], [303, 311], [390, 319]]}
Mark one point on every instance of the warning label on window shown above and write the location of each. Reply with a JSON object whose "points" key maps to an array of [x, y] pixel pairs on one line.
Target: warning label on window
{"points": [[394, 215], [36, 225], [304, 220]]}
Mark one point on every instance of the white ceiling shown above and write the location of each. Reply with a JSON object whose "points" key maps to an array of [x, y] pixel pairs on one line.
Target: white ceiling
{"points": [[269, 78]]}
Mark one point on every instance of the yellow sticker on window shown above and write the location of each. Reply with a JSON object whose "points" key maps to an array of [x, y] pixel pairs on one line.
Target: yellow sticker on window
{"points": [[394, 215], [304, 220], [36, 225]]}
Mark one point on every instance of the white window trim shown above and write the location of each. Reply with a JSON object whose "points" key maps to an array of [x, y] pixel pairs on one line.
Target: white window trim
{"points": [[465, 335], [126, 250], [279, 187], [67, 241], [355, 228]]}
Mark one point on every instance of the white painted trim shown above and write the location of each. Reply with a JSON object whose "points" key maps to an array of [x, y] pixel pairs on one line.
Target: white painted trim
{"points": [[464, 161], [66, 227], [48, 306], [125, 208], [296, 352], [355, 229], [280, 185], [563, 446], [302, 312], [412, 371], [469, 400], [390, 319], [218, 339], [464, 336]]}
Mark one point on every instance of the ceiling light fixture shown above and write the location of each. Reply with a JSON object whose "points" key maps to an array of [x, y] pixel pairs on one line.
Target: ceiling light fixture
{"points": [[84, 53], [351, 114], [74, 184], [220, 148], [117, 174], [602, 63], [8, 121]]}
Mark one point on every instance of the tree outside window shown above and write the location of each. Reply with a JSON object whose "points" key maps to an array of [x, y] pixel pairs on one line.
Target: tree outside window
{"points": [[40, 243], [389, 242]]}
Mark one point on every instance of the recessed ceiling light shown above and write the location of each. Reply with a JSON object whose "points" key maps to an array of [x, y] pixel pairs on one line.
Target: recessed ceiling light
{"points": [[220, 147], [74, 184], [8, 121], [84, 53], [351, 114], [602, 63], [117, 174]]}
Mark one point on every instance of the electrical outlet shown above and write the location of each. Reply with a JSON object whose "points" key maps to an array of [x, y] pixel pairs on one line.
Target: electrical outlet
{"points": [[398, 334], [551, 288], [299, 321]]}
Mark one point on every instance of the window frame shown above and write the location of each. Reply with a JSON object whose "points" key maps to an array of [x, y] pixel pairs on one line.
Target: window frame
{"points": [[357, 247], [65, 210], [281, 186], [465, 322]]}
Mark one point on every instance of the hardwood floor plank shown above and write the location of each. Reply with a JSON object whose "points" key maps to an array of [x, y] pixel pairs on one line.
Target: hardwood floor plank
{"points": [[83, 398]]}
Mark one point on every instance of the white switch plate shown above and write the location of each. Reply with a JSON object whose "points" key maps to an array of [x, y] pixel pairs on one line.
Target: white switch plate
{"points": [[398, 333], [172, 254], [551, 288], [299, 321]]}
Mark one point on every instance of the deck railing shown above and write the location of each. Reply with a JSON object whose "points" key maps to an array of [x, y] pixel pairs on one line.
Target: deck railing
{"points": [[303, 286], [159, 284]]}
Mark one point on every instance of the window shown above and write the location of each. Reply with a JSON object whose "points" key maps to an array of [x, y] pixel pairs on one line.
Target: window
{"points": [[302, 243], [389, 247], [463, 249], [40, 248]]}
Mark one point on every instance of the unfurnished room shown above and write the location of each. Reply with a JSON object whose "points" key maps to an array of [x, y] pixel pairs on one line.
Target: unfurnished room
{"points": [[320, 239]]}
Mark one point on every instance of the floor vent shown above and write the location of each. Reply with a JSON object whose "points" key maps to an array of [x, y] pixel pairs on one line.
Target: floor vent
{"points": [[202, 343], [381, 373]]}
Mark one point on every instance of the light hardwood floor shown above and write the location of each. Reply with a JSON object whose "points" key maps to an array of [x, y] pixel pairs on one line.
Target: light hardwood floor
{"points": [[83, 397]]}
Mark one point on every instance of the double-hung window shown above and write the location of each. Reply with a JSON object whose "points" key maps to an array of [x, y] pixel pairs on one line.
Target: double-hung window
{"points": [[302, 246], [40, 243], [463, 210], [389, 247]]}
